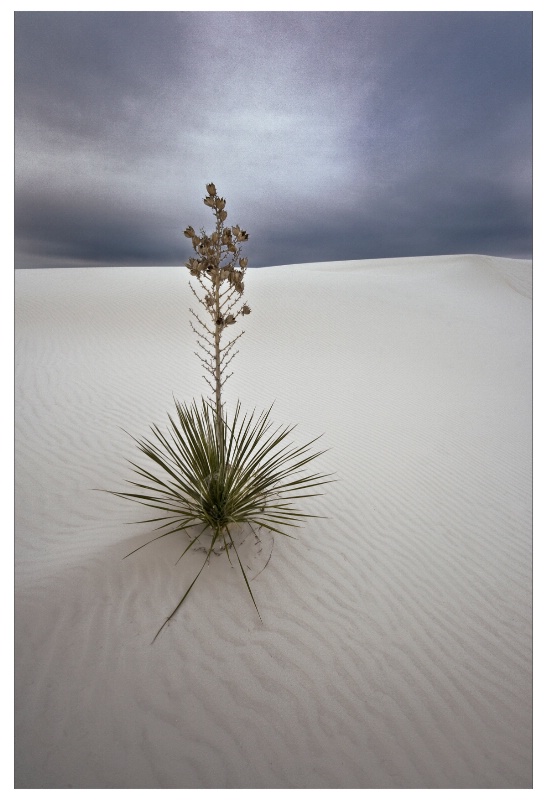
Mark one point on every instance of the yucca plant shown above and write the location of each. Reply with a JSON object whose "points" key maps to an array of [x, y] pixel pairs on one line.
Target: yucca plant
{"points": [[210, 471]]}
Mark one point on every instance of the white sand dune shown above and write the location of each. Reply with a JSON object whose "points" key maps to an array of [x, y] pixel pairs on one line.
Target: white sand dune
{"points": [[395, 650]]}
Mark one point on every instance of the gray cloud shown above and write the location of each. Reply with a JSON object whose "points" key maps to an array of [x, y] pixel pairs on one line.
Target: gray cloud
{"points": [[332, 135]]}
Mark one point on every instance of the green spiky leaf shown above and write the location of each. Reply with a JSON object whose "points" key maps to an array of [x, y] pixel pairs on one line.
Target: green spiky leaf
{"points": [[220, 473]]}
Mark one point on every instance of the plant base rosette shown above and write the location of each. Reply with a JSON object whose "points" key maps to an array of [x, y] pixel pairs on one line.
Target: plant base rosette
{"points": [[254, 546], [231, 484]]}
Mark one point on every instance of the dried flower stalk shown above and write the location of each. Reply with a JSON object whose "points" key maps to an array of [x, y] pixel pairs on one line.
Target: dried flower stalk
{"points": [[219, 270]]}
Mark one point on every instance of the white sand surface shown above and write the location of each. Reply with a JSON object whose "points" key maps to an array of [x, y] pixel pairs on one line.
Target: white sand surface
{"points": [[395, 648]]}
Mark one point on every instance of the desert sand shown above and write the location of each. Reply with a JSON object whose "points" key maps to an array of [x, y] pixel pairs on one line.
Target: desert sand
{"points": [[395, 647]]}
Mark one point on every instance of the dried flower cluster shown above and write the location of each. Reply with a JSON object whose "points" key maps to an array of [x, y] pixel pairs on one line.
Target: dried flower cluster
{"points": [[220, 270]]}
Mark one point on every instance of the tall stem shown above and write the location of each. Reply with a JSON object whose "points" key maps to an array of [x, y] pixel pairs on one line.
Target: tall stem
{"points": [[218, 333]]}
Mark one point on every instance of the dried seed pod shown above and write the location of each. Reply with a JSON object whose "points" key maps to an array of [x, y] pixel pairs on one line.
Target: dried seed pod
{"points": [[230, 319], [189, 232], [240, 235], [237, 281], [245, 309], [211, 189], [243, 262], [209, 201]]}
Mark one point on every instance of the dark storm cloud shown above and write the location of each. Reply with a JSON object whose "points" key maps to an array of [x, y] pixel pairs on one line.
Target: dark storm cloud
{"points": [[92, 74], [96, 233], [455, 220], [332, 135]]}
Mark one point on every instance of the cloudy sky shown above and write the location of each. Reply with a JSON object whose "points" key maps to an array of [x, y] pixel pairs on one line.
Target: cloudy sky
{"points": [[333, 136]]}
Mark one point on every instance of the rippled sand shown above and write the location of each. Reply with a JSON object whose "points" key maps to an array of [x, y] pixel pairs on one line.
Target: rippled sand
{"points": [[395, 649]]}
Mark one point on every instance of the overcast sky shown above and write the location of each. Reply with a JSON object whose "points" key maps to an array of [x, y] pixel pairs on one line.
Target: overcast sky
{"points": [[332, 136]]}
